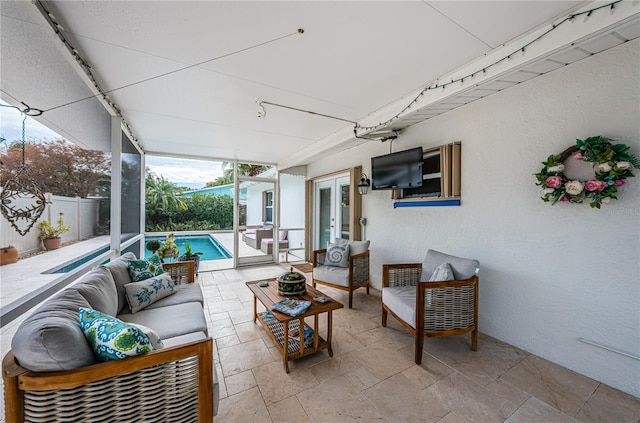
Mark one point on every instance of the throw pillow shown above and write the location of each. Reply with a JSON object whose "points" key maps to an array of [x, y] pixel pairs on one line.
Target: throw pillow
{"points": [[111, 338], [144, 293], [152, 334], [442, 273], [337, 255], [142, 269]]}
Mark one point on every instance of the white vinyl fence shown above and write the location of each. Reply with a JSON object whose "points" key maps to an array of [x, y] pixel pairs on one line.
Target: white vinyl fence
{"points": [[81, 214]]}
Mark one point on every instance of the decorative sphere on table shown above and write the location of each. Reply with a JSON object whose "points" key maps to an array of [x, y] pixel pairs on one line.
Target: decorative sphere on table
{"points": [[292, 283]]}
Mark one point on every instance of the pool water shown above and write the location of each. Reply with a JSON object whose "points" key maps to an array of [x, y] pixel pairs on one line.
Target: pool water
{"points": [[68, 267], [207, 245]]}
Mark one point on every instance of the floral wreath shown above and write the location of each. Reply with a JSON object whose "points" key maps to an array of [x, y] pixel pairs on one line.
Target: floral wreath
{"points": [[611, 163]]}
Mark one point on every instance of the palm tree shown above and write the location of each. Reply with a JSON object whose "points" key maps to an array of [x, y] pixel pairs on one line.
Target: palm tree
{"points": [[161, 193], [244, 169]]}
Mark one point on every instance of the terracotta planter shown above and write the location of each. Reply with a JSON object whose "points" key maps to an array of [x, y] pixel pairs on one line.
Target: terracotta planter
{"points": [[8, 255], [52, 243]]}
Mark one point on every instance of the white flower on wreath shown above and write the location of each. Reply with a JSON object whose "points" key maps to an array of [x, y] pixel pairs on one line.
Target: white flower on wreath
{"points": [[623, 165], [557, 169], [548, 190], [603, 167], [574, 187]]}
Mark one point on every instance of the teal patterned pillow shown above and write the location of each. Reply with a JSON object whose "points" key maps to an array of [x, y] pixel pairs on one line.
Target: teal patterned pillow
{"points": [[142, 269], [110, 338], [144, 293]]}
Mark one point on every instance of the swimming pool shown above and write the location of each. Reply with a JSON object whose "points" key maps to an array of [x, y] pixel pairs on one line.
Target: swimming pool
{"points": [[210, 248], [68, 267]]}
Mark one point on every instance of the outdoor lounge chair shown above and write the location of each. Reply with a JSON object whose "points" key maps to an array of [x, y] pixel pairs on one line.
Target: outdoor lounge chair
{"points": [[430, 302], [355, 275]]}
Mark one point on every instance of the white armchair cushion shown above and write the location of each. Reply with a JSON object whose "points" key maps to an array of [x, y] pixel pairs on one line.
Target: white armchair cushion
{"points": [[355, 247], [462, 268], [335, 275], [401, 300]]}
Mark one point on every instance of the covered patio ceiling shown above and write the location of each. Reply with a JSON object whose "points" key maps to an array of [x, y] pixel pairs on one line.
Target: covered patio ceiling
{"points": [[188, 77]]}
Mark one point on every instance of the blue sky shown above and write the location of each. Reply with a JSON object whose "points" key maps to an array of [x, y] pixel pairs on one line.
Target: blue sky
{"points": [[183, 172]]}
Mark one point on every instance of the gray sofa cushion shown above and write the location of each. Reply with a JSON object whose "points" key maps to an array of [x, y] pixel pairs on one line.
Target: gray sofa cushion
{"points": [[462, 268], [99, 289], [119, 269], [185, 293], [170, 321], [51, 339]]}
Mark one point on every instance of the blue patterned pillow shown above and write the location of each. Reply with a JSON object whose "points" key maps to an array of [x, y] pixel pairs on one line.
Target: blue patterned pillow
{"points": [[110, 338], [144, 293], [142, 269]]}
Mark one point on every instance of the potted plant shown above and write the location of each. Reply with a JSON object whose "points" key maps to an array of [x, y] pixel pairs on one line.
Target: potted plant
{"points": [[191, 256], [168, 249], [153, 245], [50, 235], [8, 255]]}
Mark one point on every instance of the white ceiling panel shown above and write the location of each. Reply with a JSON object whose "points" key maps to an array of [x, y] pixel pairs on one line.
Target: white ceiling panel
{"points": [[187, 75]]}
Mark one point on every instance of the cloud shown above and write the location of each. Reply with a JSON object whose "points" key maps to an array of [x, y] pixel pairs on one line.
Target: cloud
{"points": [[179, 171], [184, 170]]}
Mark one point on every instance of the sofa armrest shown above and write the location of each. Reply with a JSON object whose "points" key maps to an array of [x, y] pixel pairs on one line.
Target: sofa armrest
{"points": [[182, 377], [401, 274]]}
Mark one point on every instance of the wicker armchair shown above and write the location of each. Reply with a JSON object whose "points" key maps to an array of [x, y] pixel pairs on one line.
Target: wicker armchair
{"points": [[355, 276], [181, 271], [253, 238], [432, 309]]}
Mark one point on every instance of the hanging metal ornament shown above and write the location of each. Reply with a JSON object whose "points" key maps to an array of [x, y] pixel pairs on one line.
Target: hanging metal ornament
{"points": [[21, 201]]}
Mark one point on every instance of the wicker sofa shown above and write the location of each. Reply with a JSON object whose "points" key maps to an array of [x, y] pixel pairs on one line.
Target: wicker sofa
{"points": [[52, 374]]}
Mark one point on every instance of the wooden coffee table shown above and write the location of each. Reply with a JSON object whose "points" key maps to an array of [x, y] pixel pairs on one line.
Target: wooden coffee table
{"points": [[278, 326]]}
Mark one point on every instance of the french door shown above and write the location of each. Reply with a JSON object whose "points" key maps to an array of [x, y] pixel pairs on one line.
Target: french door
{"points": [[257, 220], [331, 211]]}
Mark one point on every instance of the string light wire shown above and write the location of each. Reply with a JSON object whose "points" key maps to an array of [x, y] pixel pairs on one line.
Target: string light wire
{"points": [[434, 86], [57, 28]]}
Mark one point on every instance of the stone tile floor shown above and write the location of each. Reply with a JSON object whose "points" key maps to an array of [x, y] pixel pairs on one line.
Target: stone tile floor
{"points": [[372, 375]]}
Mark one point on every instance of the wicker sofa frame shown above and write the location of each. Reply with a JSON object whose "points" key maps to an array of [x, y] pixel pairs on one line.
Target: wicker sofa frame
{"points": [[173, 384], [442, 308], [358, 272]]}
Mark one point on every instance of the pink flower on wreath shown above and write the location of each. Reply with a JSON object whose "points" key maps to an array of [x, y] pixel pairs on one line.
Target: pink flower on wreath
{"points": [[564, 198], [554, 182], [578, 156], [595, 185], [618, 182]]}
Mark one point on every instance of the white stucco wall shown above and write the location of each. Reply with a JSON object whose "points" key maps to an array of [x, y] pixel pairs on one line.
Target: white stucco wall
{"points": [[292, 210], [549, 274]]}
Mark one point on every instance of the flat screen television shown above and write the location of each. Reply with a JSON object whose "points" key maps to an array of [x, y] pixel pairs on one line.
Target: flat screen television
{"points": [[400, 170]]}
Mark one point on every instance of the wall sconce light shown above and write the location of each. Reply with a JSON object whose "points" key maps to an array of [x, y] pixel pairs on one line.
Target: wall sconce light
{"points": [[365, 183]]}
